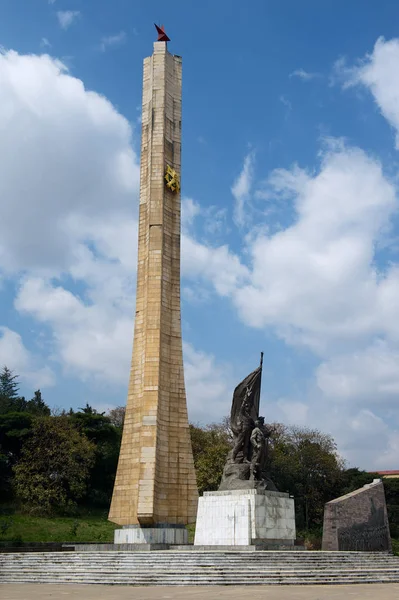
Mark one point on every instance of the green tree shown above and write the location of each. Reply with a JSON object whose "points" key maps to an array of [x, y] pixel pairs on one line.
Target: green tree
{"points": [[10, 401], [391, 487], [5, 480], [305, 463], [117, 416], [353, 479], [54, 467], [9, 386], [210, 444], [37, 406], [15, 429], [97, 427]]}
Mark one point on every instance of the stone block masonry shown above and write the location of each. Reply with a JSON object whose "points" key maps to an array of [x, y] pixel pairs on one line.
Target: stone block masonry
{"points": [[358, 521], [244, 518], [155, 481]]}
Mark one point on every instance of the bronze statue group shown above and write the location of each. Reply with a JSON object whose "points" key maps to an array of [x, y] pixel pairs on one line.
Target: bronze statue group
{"points": [[247, 463]]}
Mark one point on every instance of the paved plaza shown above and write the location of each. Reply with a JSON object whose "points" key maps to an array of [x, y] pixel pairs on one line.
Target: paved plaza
{"points": [[262, 592]]}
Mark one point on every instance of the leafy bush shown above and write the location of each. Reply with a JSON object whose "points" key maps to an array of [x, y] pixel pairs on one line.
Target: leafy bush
{"points": [[54, 467]]}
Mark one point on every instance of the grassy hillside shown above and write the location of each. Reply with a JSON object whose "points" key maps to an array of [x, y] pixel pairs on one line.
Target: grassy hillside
{"points": [[84, 528], [91, 527]]}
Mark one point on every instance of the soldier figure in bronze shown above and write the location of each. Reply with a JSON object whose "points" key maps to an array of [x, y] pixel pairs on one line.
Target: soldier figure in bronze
{"points": [[245, 424], [259, 442]]}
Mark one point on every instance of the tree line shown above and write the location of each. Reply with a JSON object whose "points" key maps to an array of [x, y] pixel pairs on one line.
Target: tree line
{"points": [[56, 463], [303, 462], [52, 463]]}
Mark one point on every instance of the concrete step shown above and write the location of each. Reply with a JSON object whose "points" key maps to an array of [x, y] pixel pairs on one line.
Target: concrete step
{"points": [[236, 564], [174, 568], [167, 565], [171, 566], [166, 557], [189, 580], [199, 568], [204, 574], [209, 581]]}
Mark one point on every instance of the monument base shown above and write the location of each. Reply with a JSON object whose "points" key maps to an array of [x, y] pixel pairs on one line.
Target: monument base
{"points": [[245, 518], [358, 521], [161, 534]]}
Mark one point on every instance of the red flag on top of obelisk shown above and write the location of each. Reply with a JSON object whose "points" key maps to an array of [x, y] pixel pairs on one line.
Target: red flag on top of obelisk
{"points": [[162, 37]]}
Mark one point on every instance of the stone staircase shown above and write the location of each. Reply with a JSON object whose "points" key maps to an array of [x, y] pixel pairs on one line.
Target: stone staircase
{"points": [[199, 568]]}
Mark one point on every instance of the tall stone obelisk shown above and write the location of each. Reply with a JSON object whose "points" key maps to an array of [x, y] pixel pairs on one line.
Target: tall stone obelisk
{"points": [[155, 492]]}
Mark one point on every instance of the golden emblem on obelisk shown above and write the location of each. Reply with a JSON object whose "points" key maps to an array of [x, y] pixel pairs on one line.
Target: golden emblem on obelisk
{"points": [[172, 179]]}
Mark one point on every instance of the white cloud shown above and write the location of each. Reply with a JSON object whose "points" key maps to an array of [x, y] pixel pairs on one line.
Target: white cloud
{"points": [[293, 412], [213, 218], [378, 72], [92, 341], [203, 266], [370, 375], [113, 40], [92, 334], [189, 211], [209, 386], [74, 149], [26, 365], [196, 293], [217, 266], [315, 281], [215, 221], [316, 284], [304, 75], [288, 105], [71, 215], [388, 459], [67, 17], [241, 190], [363, 437], [361, 379]]}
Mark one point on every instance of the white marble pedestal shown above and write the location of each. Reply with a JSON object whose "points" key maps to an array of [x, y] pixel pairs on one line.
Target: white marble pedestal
{"points": [[168, 534], [244, 518]]}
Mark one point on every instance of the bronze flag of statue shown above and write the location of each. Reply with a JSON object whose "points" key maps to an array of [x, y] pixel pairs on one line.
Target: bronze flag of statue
{"points": [[244, 412]]}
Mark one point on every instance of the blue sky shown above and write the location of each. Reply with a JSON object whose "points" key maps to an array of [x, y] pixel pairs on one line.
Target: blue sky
{"points": [[290, 196]]}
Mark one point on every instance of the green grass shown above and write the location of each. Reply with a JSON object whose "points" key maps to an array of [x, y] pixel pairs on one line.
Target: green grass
{"points": [[84, 528], [191, 533], [92, 526], [395, 546]]}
